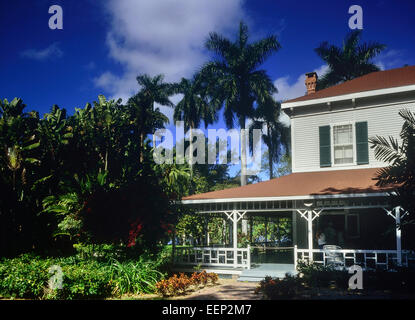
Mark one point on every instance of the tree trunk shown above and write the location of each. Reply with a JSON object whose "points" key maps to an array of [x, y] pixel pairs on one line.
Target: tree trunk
{"points": [[191, 151], [243, 152], [141, 148], [270, 156]]}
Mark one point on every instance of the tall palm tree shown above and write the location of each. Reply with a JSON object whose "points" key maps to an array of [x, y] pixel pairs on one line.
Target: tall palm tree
{"points": [[352, 60], [276, 135], [234, 79], [192, 109], [153, 90]]}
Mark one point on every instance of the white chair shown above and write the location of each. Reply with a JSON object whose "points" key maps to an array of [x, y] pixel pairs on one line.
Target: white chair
{"points": [[333, 258]]}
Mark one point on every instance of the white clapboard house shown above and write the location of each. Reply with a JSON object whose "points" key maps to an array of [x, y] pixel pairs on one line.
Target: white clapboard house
{"points": [[330, 190]]}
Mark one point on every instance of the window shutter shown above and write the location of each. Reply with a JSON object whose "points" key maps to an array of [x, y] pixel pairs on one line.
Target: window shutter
{"points": [[362, 143], [325, 148]]}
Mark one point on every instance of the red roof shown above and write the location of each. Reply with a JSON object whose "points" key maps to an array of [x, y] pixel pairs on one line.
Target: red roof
{"points": [[373, 81], [303, 183]]}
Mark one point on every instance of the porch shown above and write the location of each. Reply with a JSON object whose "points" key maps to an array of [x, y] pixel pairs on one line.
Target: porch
{"points": [[354, 213], [277, 253]]}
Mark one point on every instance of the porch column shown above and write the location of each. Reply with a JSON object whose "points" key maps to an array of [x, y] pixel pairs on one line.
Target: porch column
{"points": [[310, 233], [235, 230], [206, 231], [397, 216]]}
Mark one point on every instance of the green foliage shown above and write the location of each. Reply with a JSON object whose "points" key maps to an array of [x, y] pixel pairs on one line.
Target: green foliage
{"points": [[24, 277], [285, 288], [315, 275], [134, 276], [350, 61], [27, 276]]}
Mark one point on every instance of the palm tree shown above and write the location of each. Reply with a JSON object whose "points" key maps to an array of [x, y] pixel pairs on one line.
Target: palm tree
{"points": [[350, 61], [192, 109], [277, 134], [153, 90], [235, 80], [401, 158]]}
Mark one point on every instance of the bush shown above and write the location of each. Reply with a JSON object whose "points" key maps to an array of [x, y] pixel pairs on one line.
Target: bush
{"points": [[24, 277], [84, 280], [134, 276], [317, 276], [285, 288], [177, 285], [27, 276], [402, 281]]}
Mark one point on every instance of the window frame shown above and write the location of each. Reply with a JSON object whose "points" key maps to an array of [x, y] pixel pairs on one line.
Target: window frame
{"points": [[332, 125]]}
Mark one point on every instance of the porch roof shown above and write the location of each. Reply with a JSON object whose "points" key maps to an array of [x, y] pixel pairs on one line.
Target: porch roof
{"points": [[318, 183]]}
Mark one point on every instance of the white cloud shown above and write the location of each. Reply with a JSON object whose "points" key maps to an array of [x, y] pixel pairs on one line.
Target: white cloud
{"points": [[290, 90], [287, 90], [391, 58], [162, 36], [53, 51]]}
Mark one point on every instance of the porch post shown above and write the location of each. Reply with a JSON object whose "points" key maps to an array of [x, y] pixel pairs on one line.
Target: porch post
{"points": [[310, 233], [250, 229], [235, 238], [309, 214], [397, 216], [398, 235], [235, 230]]}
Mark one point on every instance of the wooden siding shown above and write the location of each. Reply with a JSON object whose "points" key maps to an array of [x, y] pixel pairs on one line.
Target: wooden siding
{"points": [[383, 120]]}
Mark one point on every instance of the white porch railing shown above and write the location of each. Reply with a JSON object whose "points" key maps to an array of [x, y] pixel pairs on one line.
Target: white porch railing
{"points": [[368, 259], [214, 257]]}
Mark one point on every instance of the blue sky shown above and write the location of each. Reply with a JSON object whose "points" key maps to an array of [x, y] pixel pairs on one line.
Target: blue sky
{"points": [[105, 44]]}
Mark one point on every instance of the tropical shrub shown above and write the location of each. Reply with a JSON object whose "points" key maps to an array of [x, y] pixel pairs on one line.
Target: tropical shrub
{"points": [[284, 288], [317, 275], [134, 276], [24, 277], [177, 285], [28, 276]]}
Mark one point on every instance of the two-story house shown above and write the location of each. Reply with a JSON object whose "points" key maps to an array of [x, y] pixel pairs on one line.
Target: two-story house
{"points": [[331, 189]]}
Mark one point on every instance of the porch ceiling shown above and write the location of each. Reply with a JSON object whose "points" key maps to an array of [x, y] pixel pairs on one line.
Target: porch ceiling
{"points": [[302, 184]]}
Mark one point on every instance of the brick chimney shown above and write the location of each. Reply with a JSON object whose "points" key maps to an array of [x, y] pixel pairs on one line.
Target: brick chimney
{"points": [[310, 82]]}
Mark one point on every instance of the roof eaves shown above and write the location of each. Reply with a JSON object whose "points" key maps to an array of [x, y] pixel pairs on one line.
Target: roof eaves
{"points": [[361, 94]]}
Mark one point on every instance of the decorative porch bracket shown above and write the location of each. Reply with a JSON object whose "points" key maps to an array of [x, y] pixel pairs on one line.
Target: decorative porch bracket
{"points": [[397, 216], [309, 215]]}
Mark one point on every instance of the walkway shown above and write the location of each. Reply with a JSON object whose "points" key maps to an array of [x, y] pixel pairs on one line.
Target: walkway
{"points": [[227, 290]]}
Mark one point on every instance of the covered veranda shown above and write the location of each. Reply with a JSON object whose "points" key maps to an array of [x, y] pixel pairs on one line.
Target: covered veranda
{"points": [[291, 209]]}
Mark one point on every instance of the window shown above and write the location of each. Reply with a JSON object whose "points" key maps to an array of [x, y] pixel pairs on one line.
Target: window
{"points": [[343, 144]]}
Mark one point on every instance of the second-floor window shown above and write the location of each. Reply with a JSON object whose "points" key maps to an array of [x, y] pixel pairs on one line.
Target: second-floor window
{"points": [[343, 144]]}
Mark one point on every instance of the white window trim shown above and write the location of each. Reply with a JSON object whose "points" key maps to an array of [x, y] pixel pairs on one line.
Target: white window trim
{"points": [[332, 125]]}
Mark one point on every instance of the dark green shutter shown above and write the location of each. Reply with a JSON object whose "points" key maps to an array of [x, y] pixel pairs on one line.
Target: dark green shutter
{"points": [[325, 148], [362, 143]]}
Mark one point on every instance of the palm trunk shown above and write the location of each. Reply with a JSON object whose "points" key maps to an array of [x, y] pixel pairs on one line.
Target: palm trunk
{"points": [[243, 152], [191, 151], [141, 148], [106, 160]]}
